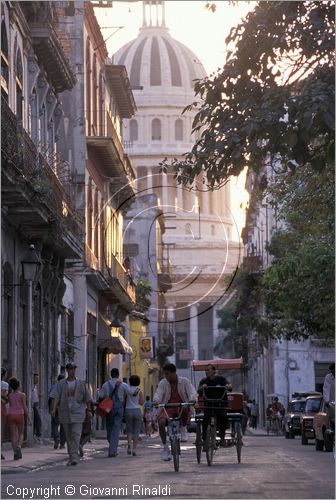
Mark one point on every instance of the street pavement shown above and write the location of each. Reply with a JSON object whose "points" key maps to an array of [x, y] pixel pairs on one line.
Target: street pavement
{"points": [[271, 468], [44, 455]]}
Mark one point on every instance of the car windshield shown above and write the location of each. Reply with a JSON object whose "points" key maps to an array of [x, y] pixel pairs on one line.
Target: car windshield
{"points": [[312, 405], [297, 406]]}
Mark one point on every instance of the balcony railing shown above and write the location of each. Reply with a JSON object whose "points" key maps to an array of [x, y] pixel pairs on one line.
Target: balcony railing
{"points": [[27, 164], [117, 272]]}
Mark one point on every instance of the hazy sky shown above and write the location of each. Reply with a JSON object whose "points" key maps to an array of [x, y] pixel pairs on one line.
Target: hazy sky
{"points": [[202, 31], [189, 22]]}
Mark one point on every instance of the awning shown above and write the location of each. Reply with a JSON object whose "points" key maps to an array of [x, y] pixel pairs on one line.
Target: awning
{"points": [[115, 345]]}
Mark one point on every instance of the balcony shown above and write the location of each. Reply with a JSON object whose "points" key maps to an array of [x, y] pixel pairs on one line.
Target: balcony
{"points": [[164, 271], [91, 260], [34, 199], [51, 55], [119, 288], [120, 87], [108, 153], [253, 264]]}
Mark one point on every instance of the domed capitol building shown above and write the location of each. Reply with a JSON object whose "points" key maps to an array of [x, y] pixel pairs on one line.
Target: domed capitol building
{"points": [[199, 224]]}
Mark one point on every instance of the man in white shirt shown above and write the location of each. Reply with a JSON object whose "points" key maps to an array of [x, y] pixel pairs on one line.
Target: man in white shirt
{"points": [[173, 389], [73, 398]]}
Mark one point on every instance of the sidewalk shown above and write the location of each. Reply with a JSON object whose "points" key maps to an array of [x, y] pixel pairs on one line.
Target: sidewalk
{"points": [[44, 455], [259, 431]]}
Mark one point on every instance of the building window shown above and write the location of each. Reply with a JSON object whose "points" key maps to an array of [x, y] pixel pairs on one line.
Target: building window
{"points": [[43, 126], [179, 130], [101, 105], [133, 130], [88, 87], [96, 224], [19, 86], [156, 130], [4, 61], [213, 230], [94, 96], [89, 215]]}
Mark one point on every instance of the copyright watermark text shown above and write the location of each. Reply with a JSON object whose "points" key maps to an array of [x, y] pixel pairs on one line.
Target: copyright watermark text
{"points": [[86, 490]]}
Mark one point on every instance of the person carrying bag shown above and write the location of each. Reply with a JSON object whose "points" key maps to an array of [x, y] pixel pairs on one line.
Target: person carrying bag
{"points": [[117, 391], [105, 406]]}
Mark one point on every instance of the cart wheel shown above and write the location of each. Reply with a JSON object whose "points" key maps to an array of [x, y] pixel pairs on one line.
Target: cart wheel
{"points": [[198, 442], [210, 443], [175, 450], [239, 440]]}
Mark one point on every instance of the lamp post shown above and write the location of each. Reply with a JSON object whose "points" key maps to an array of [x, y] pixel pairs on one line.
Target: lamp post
{"points": [[30, 268], [117, 328]]}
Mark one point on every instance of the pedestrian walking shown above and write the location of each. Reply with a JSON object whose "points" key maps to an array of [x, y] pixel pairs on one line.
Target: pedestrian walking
{"points": [[117, 390], [17, 412], [57, 430], [133, 414], [73, 398], [86, 432], [35, 400], [254, 414], [4, 401]]}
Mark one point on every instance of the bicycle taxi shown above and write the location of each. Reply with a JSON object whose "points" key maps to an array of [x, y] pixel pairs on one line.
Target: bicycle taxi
{"points": [[218, 402]]}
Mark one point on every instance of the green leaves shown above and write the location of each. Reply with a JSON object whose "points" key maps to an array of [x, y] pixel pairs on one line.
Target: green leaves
{"points": [[143, 292], [275, 94], [298, 288]]}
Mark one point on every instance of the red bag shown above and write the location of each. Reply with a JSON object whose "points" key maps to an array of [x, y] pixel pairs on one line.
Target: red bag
{"points": [[105, 407]]}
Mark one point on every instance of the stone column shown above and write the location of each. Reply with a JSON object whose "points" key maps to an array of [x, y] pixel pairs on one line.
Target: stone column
{"points": [[228, 198], [205, 202], [215, 320], [149, 180], [179, 193], [164, 192], [80, 327], [193, 329], [171, 318]]}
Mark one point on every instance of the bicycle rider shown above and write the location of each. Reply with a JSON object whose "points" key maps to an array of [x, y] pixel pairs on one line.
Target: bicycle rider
{"points": [[173, 389], [212, 380], [278, 410]]}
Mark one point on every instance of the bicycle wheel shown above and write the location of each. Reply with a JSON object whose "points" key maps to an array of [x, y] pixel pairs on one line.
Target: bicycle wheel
{"points": [[239, 440], [175, 451], [210, 443], [198, 441]]}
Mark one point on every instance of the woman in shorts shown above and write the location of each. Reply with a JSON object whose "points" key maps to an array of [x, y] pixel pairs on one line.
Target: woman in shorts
{"points": [[16, 414]]}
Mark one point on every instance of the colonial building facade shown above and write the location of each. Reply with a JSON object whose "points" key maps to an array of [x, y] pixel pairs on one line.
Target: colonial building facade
{"points": [[66, 185], [198, 221], [40, 223], [277, 367]]}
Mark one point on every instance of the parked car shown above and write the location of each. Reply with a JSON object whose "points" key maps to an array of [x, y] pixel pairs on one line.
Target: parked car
{"points": [[307, 418], [291, 422], [322, 429]]}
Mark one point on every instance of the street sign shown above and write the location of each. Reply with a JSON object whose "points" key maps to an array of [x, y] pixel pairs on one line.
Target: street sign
{"points": [[146, 347]]}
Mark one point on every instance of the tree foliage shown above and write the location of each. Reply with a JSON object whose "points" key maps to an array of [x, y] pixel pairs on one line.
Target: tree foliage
{"points": [[298, 288], [239, 315], [274, 96], [143, 292]]}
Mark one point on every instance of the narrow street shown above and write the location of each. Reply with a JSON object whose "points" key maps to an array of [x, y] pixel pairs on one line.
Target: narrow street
{"points": [[271, 467]]}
